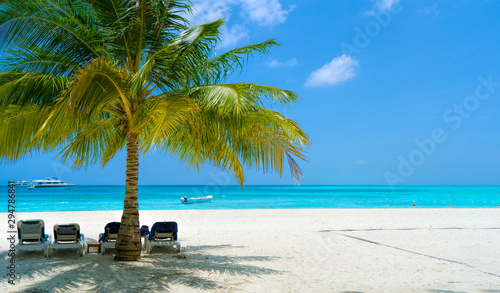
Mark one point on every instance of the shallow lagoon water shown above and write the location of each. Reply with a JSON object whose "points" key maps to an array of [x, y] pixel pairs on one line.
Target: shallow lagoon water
{"points": [[163, 197]]}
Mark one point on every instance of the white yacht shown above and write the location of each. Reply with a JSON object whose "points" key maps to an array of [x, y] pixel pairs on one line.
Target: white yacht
{"points": [[49, 182], [23, 183]]}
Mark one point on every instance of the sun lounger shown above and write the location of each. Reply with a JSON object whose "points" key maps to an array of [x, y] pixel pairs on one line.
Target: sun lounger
{"points": [[67, 236], [31, 234], [163, 233], [108, 238]]}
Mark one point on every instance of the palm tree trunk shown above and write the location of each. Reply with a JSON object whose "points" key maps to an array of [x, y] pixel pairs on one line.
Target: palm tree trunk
{"points": [[128, 244]]}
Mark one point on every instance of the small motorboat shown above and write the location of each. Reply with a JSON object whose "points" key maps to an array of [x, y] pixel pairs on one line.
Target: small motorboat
{"points": [[187, 200]]}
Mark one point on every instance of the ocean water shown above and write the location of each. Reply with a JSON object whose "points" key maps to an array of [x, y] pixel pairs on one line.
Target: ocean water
{"points": [[159, 197]]}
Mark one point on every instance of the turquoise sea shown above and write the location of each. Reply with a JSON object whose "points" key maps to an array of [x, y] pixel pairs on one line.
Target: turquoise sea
{"points": [[160, 197]]}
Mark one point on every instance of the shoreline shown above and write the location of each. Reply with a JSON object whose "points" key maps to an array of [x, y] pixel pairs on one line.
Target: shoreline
{"points": [[442, 208], [283, 250]]}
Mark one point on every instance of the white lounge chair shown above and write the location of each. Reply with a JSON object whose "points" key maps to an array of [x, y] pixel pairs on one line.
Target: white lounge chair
{"points": [[31, 234], [68, 236], [163, 233], [108, 238]]}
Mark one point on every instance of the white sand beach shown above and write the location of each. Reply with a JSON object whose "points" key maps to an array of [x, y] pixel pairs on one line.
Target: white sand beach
{"points": [[320, 250]]}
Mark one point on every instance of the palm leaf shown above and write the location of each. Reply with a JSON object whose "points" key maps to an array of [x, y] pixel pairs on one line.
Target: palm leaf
{"points": [[218, 68], [27, 22], [17, 130], [97, 87], [28, 88]]}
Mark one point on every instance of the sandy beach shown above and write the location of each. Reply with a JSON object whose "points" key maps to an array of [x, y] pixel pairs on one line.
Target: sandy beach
{"points": [[320, 250]]}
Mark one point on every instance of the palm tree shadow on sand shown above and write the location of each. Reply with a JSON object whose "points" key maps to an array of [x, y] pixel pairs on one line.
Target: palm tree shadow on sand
{"points": [[194, 267]]}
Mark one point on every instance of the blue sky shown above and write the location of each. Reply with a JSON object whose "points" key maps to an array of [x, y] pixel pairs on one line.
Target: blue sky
{"points": [[392, 92]]}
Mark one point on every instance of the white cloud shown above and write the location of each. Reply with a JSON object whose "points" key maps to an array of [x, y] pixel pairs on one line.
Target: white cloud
{"points": [[432, 11], [360, 162], [205, 11], [232, 35], [385, 4], [382, 5], [275, 63], [265, 12], [338, 70]]}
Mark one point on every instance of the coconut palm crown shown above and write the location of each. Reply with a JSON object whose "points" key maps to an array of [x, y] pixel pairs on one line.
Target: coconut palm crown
{"points": [[93, 77]]}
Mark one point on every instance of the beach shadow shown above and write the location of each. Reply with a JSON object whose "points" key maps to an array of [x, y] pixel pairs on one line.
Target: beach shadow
{"points": [[195, 267]]}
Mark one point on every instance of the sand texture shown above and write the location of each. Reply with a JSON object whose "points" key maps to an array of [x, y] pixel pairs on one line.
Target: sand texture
{"points": [[320, 250]]}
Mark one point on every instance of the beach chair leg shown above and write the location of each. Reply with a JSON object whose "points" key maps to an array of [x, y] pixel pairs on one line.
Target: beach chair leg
{"points": [[102, 249], [178, 248]]}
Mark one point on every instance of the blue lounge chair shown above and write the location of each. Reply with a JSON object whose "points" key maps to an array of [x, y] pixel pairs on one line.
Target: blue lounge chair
{"points": [[108, 238], [31, 235], [67, 236], [163, 233]]}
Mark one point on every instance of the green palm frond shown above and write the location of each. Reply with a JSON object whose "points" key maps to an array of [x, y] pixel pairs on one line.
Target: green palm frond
{"points": [[218, 68], [239, 97], [132, 28], [259, 138], [159, 116], [96, 87], [28, 88], [280, 124], [114, 19], [17, 130], [265, 138], [43, 24], [166, 19], [36, 59], [98, 141], [174, 65]]}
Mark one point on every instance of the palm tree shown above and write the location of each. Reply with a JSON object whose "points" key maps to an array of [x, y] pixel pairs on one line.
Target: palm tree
{"points": [[97, 76]]}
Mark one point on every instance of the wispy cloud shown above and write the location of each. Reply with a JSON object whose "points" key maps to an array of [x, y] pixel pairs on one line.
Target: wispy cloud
{"points": [[382, 5], [265, 12], [262, 12], [205, 11], [385, 4], [433, 11], [338, 70], [360, 162], [275, 63], [232, 35]]}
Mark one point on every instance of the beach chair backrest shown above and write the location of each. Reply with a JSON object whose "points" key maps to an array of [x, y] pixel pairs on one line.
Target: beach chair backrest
{"points": [[164, 231], [111, 231], [31, 231], [67, 233]]}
